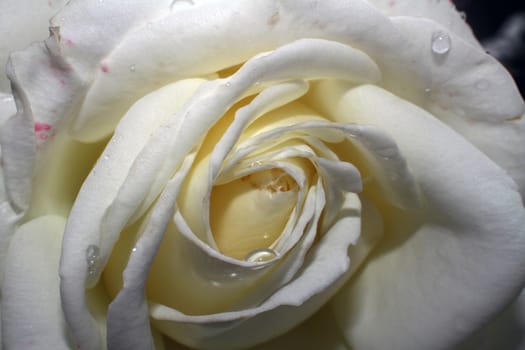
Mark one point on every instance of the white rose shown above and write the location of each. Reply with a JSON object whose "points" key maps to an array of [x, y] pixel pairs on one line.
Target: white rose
{"points": [[215, 172]]}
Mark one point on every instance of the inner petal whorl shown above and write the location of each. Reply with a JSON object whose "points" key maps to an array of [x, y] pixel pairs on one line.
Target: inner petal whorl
{"points": [[251, 212]]}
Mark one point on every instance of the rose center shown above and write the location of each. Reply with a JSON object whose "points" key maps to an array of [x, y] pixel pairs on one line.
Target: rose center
{"points": [[250, 213]]}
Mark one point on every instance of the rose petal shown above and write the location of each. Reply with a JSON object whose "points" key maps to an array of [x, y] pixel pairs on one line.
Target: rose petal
{"points": [[128, 321], [98, 192], [205, 281], [36, 69], [461, 258], [17, 144], [31, 307], [382, 154], [320, 331], [193, 195], [8, 217], [443, 12], [507, 331], [325, 267], [7, 107], [470, 91], [21, 23], [213, 25]]}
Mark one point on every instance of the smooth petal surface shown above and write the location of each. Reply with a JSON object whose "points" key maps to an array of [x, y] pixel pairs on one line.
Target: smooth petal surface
{"points": [[443, 12], [31, 309], [443, 271], [318, 332], [7, 107], [507, 331]]}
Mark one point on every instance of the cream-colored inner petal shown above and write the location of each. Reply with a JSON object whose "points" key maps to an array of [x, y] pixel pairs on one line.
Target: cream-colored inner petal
{"points": [[251, 212]]}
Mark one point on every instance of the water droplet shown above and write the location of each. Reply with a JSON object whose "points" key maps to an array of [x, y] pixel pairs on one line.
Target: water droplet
{"points": [[132, 68], [105, 157], [482, 85], [440, 43], [228, 84], [428, 90], [92, 254], [463, 15], [93, 264], [261, 255], [134, 249]]}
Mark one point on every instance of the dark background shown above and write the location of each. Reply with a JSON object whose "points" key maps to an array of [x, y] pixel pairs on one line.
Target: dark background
{"points": [[500, 26]]}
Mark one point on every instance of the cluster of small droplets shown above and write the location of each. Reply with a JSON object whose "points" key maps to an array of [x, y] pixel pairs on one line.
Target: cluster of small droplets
{"points": [[92, 258]]}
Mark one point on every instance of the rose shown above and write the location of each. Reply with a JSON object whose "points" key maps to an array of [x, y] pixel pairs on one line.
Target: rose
{"points": [[439, 211]]}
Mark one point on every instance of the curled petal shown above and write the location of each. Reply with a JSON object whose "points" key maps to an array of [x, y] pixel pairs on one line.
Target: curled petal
{"points": [[128, 322], [88, 218], [325, 268]]}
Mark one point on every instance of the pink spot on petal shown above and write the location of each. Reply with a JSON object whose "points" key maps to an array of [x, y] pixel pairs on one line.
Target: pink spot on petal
{"points": [[104, 67], [42, 126], [69, 42], [43, 136]]}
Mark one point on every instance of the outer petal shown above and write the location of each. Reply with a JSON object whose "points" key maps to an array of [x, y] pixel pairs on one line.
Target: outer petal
{"points": [[318, 332], [443, 12], [468, 90], [7, 216], [21, 23], [444, 271], [507, 331], [31, 310]]}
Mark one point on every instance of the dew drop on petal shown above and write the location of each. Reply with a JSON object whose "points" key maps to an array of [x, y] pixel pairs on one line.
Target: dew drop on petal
{"points": [[132, 68], [261, 255], [92, 254], [440, 43], [92, 259]]}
